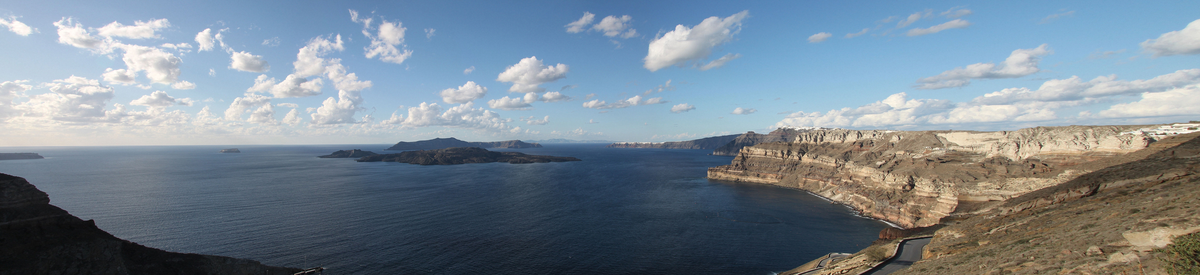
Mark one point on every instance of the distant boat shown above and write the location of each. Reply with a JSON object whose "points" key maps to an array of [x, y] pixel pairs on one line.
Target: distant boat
{"points": [[230, 150]]}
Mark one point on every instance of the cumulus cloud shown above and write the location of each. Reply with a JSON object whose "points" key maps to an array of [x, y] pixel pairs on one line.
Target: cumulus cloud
{"points": [[74, 34], [1017, 104], [581, 24], [120, 76], [385, 38], [533, 121], [241, 105], [160, 66], [529, 73], [741, 111], [205, 40], [340, 110], [1021, 62], [345, 81], [468, 71], [183, 85], [294, 86], [682, 107], [466, 93], [684, 44], [246, 62], [1185, 41], [952, 24], [158, 99], [292, 118], [613, 26], [10, 90], [310, 61], [720, 61], [461, 116], [139, 29], [632, 101], [75, 99], [506, 103], [819, 37], [555, 97], [16, 26]]}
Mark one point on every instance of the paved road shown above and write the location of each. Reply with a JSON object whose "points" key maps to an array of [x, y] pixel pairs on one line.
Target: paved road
{"points": [[824, 262], [910, 252]]}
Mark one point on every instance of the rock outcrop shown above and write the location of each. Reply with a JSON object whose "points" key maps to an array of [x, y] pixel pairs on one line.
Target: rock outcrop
{"points": [[462, 155], [353, 153], [707, 143], [443, 143], [6, 156], [916, 178], [751, 138], [39, 238]]}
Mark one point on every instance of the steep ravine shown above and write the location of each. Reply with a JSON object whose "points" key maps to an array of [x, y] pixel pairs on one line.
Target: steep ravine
{"points": [[916, 178]]}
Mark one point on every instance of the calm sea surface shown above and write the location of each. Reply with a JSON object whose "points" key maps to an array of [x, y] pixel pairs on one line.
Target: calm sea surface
{"points": [[619, 211]]}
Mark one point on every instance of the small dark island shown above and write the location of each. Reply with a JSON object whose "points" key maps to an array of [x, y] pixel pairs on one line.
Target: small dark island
{"points": [[462, 155], [443, 143], [7, 156], [230, 150], [353, 153]]}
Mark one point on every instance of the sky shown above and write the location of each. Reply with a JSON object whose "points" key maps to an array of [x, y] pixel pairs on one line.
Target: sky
{"points": [[378, 72]]}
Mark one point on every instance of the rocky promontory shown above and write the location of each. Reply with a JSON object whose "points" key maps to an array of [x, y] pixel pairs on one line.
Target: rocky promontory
{"points": [[7, 156], [443, 143], [353, 153], [751, 138], [707, 143], [462, 155], [39, 238]]}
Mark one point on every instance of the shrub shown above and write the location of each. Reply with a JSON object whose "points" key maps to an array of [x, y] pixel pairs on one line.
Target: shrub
{"points": [[1183, 255]]}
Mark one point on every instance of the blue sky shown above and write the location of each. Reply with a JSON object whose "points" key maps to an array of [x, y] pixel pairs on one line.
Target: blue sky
{"points": [[148, 73]]}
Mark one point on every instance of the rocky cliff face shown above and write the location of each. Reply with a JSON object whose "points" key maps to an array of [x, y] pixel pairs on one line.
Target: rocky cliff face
{"points": [[751, 138], [707, 143], [915, 178], [39, 238]]}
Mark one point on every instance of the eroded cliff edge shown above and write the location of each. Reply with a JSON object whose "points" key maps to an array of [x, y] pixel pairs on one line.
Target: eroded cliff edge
{"points": [[916, 178], [39, 238]]}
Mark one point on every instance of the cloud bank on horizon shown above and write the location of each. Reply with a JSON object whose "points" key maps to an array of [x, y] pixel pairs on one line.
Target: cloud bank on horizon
{"points": [[203, 77]]}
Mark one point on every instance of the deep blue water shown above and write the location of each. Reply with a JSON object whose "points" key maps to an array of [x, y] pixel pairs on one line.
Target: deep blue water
{"points": [[619, 211]]}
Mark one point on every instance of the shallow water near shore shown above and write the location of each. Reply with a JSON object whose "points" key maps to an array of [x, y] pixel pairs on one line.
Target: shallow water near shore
{"points": [[619, 211]]}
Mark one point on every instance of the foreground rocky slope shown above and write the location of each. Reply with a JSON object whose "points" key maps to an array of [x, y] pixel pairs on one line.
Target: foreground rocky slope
{"points": [[443, 143], [1110, 221], [39, 238], [916, 178], [707, 143], [462, 155]]}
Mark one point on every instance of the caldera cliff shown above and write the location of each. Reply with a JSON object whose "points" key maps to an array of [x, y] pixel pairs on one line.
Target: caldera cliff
{"points": [[916, 178]]}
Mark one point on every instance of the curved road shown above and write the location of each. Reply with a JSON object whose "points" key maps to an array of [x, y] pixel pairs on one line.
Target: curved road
{"points": [[910, 252]]}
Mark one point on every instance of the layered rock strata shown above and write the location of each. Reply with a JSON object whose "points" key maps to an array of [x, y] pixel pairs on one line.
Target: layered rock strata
{"points": [[39, 238], [751, 138], [915, 178]]}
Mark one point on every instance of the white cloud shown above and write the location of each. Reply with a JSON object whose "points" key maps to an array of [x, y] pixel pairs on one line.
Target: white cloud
{"points": [[461, 116], [272, 42], [466, 93], [952, 24], [613, 26], [205, 40], [533, 121], [158, 99], [429, 33], [1176, 101], [294, 86], [506, 103], [139, 30], [740, 111], [246, 62], [16, 26], [265, 114], [684, 44], [185, 101], [240, 105], [120, 76], [720, 61], [262, 84], [183, 85], [72, 33], [289, 105], [160, 67], [178, 46], [292, 118], [862, 32], [956, 12], [469, 70], [344, 81], [75, 99], [581, 24], [1185, 41], [340, 110], [212, 72], [529, 73], [682, 107], [1052, 17], [1021, 62], [309, 61], [910, 19], [555, 97], [384, 41], [632, 101], [1075, 89], [10, 90], [819, 37]]}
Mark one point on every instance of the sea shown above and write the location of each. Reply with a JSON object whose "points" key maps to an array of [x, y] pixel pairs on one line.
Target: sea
{"points": [[618, 211]]}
